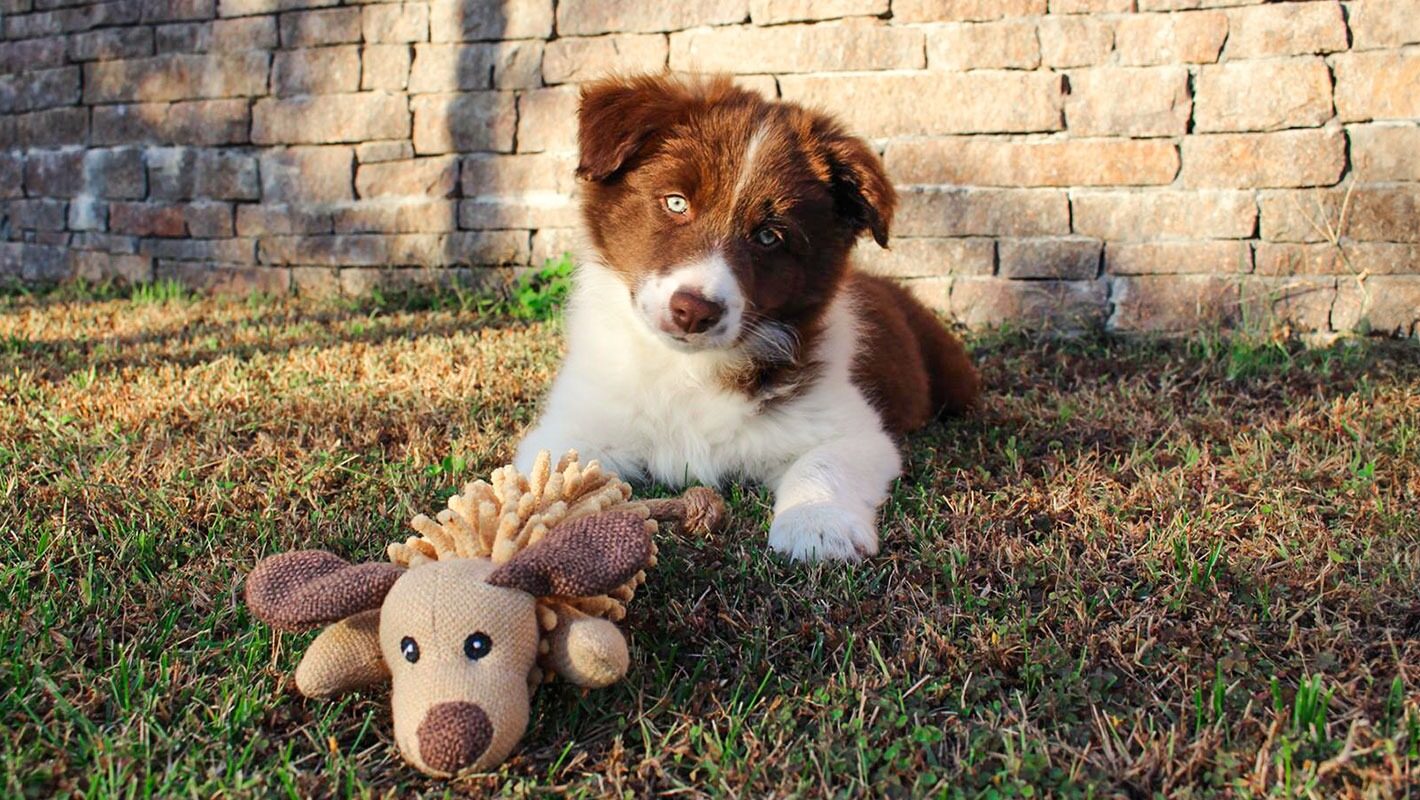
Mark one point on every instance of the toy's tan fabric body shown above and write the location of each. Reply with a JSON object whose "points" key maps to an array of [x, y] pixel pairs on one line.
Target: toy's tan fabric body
{"points": [[345, 657], [518, 580]]}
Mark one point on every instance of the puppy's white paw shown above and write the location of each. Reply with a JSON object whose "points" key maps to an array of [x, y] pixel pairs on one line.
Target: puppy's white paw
{"points": [[823, 532]]}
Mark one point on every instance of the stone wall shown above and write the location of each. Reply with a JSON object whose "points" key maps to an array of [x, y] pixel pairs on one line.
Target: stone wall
{"points": [[1143, 164]]}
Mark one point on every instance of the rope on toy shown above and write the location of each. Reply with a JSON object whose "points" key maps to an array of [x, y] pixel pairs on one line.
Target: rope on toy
{"points": [[698, 510]]}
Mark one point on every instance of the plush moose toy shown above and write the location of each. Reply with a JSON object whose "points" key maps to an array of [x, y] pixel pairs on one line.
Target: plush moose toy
{"points": [[518, 580]]}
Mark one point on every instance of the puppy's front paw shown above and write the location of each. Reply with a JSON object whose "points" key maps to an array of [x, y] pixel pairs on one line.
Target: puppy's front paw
{"points": [[823, 532]]}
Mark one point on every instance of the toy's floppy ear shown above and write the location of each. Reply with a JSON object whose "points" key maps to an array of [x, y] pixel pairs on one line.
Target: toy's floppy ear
{"points": [[345, 657], [582, 558], [305, 588]]}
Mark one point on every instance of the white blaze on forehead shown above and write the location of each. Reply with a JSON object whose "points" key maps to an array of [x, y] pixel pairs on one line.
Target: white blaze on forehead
{"points": [[712, 277], [752, 148]]}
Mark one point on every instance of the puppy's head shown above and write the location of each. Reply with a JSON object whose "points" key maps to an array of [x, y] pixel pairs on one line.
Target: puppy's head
{"points": [[728, 217]]}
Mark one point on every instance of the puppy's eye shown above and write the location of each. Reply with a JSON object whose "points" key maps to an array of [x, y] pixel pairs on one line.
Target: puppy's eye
{"points": [[676, 203], [409, 648], [477, 645], [767, 237]]}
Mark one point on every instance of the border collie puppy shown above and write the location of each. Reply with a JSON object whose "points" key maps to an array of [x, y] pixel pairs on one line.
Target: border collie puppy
{"points": [[716, 329]]}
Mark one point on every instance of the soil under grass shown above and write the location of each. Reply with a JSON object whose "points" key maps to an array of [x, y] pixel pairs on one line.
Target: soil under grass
{"points": [[1144, 569]]}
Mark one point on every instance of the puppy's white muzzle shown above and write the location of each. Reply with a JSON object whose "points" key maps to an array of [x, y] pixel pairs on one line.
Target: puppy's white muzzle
{"points": [[699, 306]]}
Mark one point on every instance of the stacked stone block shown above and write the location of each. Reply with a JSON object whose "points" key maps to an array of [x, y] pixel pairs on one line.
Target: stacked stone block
{"points": [[1157, 165]]}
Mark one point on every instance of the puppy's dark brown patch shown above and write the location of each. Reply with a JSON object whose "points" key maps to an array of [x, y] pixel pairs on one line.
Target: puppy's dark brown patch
{"points": [[909, 365]]}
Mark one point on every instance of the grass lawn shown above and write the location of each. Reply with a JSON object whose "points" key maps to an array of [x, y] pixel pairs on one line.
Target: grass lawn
{"points": [[1145, 569]]}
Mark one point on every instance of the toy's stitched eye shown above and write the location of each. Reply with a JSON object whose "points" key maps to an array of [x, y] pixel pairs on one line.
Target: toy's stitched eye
{"points": [[477, 645], [409, 648], [767, 237], [676, 204]]}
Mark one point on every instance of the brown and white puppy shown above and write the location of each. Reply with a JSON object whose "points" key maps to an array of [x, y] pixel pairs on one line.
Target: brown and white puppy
{"points": [[716, 329]]}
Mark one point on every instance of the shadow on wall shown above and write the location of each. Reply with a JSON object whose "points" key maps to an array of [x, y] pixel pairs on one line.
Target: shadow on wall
{"points": [[452, 198], [233, 147], [449, 174], [504, 188], [1044, 180]]}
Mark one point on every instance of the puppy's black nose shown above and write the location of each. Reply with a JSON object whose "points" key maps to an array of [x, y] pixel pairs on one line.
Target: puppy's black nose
{"points": [[453, 736], [693, 312]]}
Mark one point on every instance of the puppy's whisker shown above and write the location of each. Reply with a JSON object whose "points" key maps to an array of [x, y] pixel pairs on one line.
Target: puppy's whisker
{"points": [[771, 341], [781, 329]]}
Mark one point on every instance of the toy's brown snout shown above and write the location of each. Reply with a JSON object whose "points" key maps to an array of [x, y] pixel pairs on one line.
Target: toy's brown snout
{"points": [[453, 735], [460, 651]]}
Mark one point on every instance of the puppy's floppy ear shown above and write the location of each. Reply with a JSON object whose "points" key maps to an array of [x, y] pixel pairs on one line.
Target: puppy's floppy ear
{"points": [[862, 193], [618, 115]]}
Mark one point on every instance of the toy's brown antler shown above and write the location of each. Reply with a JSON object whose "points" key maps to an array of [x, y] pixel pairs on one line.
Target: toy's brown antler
{"points": [[585, 557], [305, 588]]}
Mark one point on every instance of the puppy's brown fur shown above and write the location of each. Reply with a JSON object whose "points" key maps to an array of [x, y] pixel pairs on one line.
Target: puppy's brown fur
{"points": [[909, 365]]}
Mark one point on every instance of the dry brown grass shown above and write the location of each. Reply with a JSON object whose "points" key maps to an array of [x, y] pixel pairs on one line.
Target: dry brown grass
{"points": [[1136, 573]]}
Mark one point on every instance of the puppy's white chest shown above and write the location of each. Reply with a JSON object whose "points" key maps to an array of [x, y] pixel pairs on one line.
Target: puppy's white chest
{"points": [[683, 425], [646, 408], [695, 406]]}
